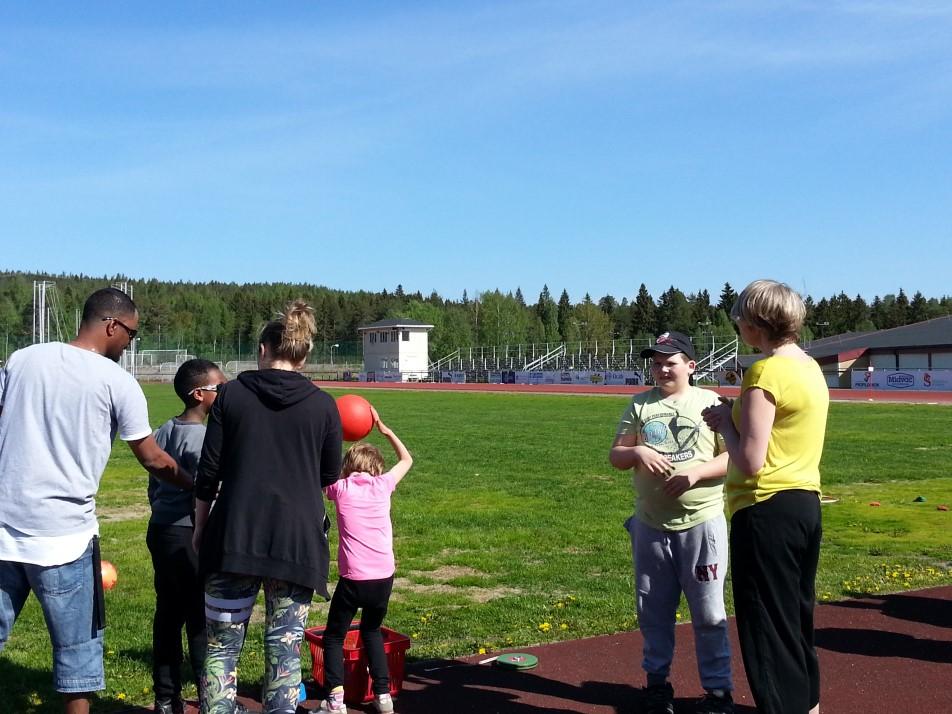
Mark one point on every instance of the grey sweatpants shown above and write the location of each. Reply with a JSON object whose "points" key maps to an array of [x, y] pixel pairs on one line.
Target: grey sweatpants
{"points": [[667, 563]]}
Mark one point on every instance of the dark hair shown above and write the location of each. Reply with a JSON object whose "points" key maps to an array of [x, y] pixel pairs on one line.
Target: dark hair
{"points": [[290, 335], [107, 302], [191, 374]]}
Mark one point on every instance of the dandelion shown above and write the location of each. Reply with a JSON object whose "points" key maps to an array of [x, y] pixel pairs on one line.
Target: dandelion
{"points": [[414, 635], [121, 696], [482, 650], [560, 605], [545, 627], [35, 699], [677, 616], [563, 626]]}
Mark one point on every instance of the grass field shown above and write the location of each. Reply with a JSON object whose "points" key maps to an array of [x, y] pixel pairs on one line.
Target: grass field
{"points": [[509, 531]]}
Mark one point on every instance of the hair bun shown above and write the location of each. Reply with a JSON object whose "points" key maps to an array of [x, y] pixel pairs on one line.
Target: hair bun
{"points": [[299, 325]]}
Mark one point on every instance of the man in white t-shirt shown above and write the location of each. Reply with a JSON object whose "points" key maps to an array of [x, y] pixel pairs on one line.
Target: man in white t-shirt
{"points": [[61, 406]]}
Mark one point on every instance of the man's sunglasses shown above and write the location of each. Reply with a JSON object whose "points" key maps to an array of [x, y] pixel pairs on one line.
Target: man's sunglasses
{"points": [[208, 388], [132, 333]]}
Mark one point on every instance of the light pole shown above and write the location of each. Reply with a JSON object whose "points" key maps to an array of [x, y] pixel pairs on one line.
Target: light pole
{"points": [[333, 347]]}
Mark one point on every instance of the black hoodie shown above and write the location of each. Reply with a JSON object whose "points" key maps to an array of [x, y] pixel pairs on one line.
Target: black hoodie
{"points": [[273, 442]]}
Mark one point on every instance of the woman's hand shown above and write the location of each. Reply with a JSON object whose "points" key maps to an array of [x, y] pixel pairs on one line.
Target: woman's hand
{"points": [[718, 415]]}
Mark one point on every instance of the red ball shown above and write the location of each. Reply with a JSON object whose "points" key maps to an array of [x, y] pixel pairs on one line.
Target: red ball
{"points": [[355, 416], [109, 575]]}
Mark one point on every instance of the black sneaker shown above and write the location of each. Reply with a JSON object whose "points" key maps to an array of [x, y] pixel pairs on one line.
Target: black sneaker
{"points": [[716, 702], [658, 699], [169, 706]]}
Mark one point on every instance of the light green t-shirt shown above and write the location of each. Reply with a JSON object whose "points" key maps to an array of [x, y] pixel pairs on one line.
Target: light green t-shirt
{"points": [[674, 427], [796, 437]]}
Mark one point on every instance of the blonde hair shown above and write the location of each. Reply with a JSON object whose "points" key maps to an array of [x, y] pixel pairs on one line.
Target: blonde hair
{"points": [[363, 457], [772, 306], [290, 335]]}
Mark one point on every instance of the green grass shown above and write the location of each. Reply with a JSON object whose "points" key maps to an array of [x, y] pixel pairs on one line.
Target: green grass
{"points": [[508, 530]]}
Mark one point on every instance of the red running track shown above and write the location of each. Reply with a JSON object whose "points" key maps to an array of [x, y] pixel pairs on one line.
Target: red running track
{"points": [[878, 655], [838, 395]]}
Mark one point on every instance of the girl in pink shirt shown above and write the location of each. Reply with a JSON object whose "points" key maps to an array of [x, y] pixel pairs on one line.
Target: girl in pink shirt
{"points": [[366, 564]]}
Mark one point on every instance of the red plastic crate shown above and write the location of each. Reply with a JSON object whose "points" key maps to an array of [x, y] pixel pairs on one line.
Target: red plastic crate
{"points": [[358, 687]]}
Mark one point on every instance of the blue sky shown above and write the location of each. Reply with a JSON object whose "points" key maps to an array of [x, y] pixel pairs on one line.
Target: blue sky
{"points": [[589, 145]]}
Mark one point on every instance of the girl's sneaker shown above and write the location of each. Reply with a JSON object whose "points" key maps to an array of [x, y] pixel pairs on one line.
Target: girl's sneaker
{"points": [[334, 703], [383, 703]]}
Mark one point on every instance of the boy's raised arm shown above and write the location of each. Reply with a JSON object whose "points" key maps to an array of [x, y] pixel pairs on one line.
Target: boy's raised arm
{"points": [[405, 461]]}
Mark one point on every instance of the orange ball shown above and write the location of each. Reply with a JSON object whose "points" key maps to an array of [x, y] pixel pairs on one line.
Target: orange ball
{"points": [[355, 416], [109, 575]]}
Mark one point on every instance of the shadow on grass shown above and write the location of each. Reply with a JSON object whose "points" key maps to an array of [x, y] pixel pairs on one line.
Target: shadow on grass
{"points": [[25, 690]]}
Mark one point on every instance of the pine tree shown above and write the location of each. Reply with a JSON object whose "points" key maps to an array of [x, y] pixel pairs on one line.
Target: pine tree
{"points": [[918, 308], [643, 314], [547, 313], [564, 314], [727, 299]]}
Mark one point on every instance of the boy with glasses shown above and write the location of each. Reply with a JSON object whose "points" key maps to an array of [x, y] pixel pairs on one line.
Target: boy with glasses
{"points": [[179, 599]]}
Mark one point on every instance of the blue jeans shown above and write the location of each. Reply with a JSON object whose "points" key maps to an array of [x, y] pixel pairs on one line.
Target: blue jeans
{"points": [[66, 594]]}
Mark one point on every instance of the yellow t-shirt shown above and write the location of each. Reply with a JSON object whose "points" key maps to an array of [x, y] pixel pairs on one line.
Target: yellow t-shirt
{"points": [[675, 428], [796, 438]]}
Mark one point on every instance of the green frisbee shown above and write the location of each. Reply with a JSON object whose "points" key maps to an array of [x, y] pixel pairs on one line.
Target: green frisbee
{"points": [[517, 660]]}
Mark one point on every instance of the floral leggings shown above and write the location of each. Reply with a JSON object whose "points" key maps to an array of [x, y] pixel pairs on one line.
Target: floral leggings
{"points": [[229, 599]]}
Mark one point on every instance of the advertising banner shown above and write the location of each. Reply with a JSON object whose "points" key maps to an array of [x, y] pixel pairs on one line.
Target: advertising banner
{"points": [[628, 377], [911, 379]]}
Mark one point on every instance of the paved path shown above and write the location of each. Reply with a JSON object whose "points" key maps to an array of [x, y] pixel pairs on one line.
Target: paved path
{"points": [[877, 656], [888, 654]]}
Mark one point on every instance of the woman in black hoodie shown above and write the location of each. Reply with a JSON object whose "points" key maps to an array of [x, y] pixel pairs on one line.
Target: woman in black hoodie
{"points": [[273, 442]]}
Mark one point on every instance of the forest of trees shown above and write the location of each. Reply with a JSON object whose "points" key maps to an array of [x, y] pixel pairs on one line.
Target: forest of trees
{"points": [[221, 318]]}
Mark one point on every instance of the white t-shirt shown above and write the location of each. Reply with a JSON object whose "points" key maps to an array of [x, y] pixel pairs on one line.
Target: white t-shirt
{"points": [[62, 408]]}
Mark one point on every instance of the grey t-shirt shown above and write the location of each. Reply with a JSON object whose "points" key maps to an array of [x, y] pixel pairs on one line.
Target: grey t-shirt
{"points": [[62, 408], [182, 440]]}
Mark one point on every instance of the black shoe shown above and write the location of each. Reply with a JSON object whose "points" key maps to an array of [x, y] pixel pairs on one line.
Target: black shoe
{"points": [[714, 703], [169, 706], [658, 699]]}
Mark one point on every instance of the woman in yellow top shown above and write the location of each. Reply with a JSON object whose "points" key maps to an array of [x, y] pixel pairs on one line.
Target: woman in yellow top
{"points": [[774, 435]]}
